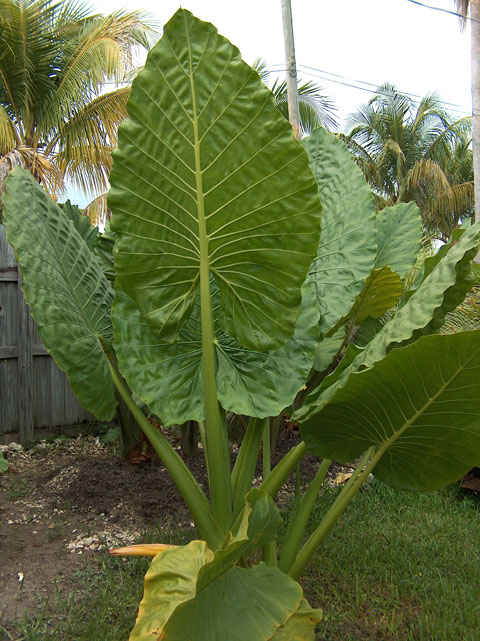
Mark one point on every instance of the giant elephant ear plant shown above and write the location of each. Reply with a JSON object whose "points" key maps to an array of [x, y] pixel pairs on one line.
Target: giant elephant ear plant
{"points": [[227, 298]]}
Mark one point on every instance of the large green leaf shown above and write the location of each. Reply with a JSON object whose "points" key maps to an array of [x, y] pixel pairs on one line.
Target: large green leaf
{"points": [[168, 378], [327, 349], [103, 249], [192, 594], [81, 222], [241, 604], [208, 176], [381, 291], [68, 294], [410, 319], [259, 525], [399, 237], [170, 580], [455, 294], [347, 249], [421, 404]]}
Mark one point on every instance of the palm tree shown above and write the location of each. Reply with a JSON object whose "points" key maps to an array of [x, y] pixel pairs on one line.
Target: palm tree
{"points": [[55, 58], [316, 110], [415, 152], [464, 7]]}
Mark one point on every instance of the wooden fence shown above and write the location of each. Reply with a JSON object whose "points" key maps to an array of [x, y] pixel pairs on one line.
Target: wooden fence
{"points": [[34, 393]]}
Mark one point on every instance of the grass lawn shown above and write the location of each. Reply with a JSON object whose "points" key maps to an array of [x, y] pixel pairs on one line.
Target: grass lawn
{"points": [[399, 567]]}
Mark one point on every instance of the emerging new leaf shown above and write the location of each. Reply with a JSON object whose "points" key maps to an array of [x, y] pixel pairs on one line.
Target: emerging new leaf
{"points": [[381, 292]]}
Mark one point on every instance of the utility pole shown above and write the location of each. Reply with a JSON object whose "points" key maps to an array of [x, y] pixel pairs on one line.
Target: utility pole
{"points": [[292, 88], [475, 32]]}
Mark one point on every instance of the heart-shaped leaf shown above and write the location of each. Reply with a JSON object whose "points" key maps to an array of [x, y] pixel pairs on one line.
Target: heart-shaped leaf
{"points": [[192, 594], [209, 178], [168, 378], [420, 405]]}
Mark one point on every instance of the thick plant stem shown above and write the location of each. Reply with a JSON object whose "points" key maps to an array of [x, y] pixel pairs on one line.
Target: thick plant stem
{"points": [[270, 549], [280, 473], [275, 425], [267, 463], [217, 453], [191, 492], [244, 468], [336, 510], [278, 476], [299, 521]]}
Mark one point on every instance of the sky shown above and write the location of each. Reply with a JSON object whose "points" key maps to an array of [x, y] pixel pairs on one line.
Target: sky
{"points": [[417, 49]]}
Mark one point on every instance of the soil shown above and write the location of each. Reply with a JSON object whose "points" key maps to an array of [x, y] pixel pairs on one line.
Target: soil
{"points": [[61, 502]]}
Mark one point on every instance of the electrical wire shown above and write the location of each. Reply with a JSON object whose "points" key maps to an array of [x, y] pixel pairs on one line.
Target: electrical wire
{"points": [[347, 82], [452, 13]]}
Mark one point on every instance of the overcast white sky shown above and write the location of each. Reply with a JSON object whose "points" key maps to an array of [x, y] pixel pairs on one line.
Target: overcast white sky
{"points": [[417, 49]]}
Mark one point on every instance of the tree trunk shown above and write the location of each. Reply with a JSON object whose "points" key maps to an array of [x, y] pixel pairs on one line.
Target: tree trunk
{"points": [[475, 31], [292, 87]]}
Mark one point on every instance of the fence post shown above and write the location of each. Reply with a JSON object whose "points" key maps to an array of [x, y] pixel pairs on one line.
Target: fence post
{"points": [[25, 368]]}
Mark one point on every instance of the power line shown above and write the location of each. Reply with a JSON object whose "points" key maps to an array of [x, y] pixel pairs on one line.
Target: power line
{"points": [[347, 82], [461, 108], [452, 13]]}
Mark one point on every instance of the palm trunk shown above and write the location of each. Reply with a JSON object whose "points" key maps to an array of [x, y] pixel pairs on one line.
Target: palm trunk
{"points": [[475, 31]]}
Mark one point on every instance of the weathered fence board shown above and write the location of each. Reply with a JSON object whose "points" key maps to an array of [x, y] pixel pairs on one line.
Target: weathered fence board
{"points": [[34, 393]]}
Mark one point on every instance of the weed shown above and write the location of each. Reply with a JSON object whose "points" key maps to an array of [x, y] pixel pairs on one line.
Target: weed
{"points": [[19, 488]]}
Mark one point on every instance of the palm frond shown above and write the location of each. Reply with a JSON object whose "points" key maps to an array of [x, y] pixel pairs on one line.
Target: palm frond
{"points": [[101, 51], [462, 7], [419, 153], [8, 136], [84, 143], [42, 168], [97, 210], [466, 317], [24, 64], [261, 67], [316, 110]]}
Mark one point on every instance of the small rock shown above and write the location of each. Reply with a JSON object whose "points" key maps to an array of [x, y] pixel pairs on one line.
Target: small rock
{"points": [[15, 447]]}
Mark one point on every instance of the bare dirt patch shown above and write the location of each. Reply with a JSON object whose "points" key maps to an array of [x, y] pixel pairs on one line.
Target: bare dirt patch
{"points": [[62, 502]]}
